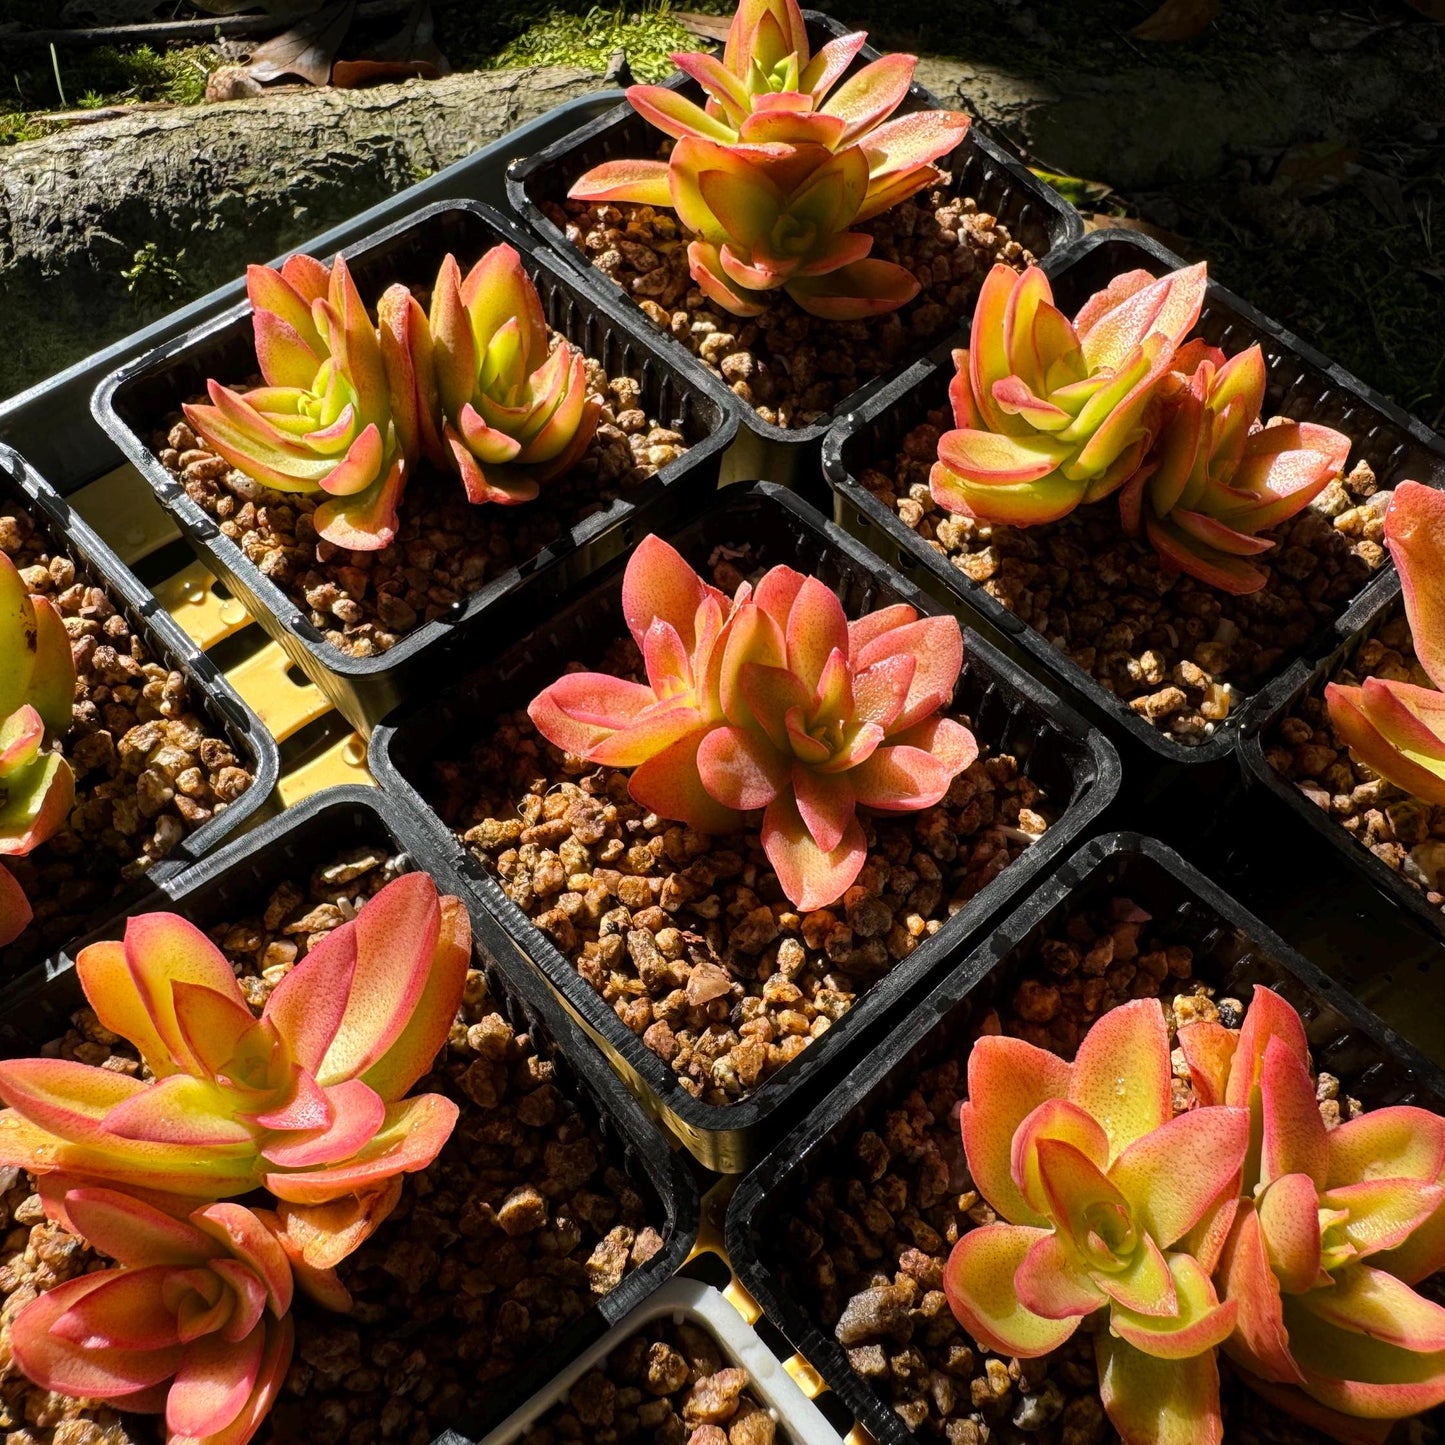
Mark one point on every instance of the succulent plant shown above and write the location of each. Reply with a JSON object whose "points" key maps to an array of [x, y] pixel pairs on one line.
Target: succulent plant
{"points": [[1112, 1203], [771, 173], [327, 419], [1398, 728], [194, 1323], [1334, 1227], [37, 693], [306, 1100], [772, 701], [764, 221], [515, 413], [1214, 478], [1047, 414]]}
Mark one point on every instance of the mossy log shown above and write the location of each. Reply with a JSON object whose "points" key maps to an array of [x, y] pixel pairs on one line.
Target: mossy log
{"points": [[93, 219]]}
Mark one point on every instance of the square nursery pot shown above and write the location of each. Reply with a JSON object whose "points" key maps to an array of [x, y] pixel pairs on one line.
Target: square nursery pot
{"points": [[236, 884], [132, 403], [1035, 214], [1264, 781], [684, 1302], [1231, 951], [1011, 713], [1303, 385], [212, 700]]}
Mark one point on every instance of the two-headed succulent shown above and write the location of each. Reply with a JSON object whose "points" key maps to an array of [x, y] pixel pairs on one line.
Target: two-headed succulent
{"points": [[1242, 1223], [37, 692], [770, 175], [349, 406], [306, 1101], [770, 700], [1049, 415], [1398, 728]]}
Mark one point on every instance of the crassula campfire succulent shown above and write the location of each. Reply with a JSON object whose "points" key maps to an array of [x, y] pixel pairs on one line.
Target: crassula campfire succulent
{"points": [[1049, 414], [1215, 478], [769, 175], [1398, 728], [1112, 1209], [327, 419], [1334, 1228], [514, 412], [37, 692], [193, 1323], [306, 1101], [770, 701]]}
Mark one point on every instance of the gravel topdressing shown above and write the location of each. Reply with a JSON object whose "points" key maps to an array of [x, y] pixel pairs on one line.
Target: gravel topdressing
{"points": [[669, 1384], [791, 367], [1182, 654], [866, 1248], [522, 1223], [149, 767], [446, 548], [1405, 833]]}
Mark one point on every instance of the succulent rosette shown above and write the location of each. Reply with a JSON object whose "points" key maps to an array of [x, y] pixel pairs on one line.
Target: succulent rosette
{"points": [[1110, 1206], [306, 1100], [774, 702], [1215, 478], [1049, 414], [516, 409], [1334, 1228], [193, 1324], [770, 174], [1398, 728], [326, 420], [37, 693]]}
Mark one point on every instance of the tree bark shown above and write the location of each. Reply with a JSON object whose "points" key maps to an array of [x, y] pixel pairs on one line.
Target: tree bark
{"points": [[228, 184]]}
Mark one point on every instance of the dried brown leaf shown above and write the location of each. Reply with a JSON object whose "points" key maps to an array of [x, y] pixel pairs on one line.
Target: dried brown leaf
{"points": [[1177, 20], [1430, 9], [307, 49]]}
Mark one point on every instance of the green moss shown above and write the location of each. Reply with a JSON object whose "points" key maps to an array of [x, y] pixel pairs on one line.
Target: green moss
{"points": [[154, 278]]}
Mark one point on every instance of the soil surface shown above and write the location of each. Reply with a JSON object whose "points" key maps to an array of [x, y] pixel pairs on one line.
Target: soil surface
{"points": [[791, 367], [689, 936], [446, 548], [149, 767], [1402, 831], [669, 1384], [1182, 654], [872, 1239], [524, 1220]]}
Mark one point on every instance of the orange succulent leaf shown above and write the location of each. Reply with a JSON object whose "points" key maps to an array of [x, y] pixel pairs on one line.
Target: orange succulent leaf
{"points": [[1396, 729], [1415, 535], [1103, 1191], [307, 1091], [772, 701], [193, 1323], [1336, 1227], [1153, 1400], [1052, 414]]}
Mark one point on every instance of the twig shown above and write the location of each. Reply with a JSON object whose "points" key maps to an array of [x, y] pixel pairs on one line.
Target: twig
{"points": [[206, 28]]}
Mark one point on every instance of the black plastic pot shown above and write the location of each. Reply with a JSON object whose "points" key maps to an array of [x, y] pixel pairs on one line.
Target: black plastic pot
{"points": [[132, 401], [1264, 782], [1071, 762], [1232, 950], [1036, 215], [213, 696], [236, 879], [1302, 384]]}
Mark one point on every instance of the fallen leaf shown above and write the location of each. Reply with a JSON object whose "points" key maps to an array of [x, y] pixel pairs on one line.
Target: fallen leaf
{"points": [[410, 53], [307, 49], [705, 27], [1312, 168], [1074, 189], [1430, 9], [1177, 20]]}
